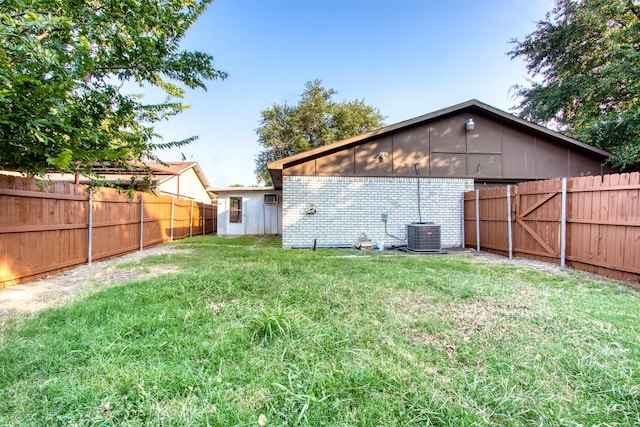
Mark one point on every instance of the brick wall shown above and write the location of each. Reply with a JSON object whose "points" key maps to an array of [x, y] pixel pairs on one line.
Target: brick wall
{"points": [[347, 206]]}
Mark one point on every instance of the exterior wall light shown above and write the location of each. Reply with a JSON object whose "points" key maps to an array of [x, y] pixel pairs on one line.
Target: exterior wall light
{"points": [[469, 125], [311, 209], [381, 156]]}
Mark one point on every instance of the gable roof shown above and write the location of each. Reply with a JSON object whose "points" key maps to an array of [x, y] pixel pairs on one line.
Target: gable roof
{"points": [[276, 167], [171, 168], [163, 172]]}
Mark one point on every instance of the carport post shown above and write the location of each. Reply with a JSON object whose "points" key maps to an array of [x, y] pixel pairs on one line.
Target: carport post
{"points": [[141, 222], [563, 224], [509, 231], [478, 220], [90, 228]]}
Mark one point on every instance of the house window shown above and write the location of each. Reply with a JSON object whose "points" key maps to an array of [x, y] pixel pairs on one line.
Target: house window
{"points": [[235, 210]]}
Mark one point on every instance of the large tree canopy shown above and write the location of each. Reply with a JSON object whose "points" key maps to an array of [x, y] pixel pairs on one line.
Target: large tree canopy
{"points": [[315, 121], [585, 62], [63, 65]]}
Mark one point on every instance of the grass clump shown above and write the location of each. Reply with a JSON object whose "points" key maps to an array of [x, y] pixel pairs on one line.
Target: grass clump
{"points": [[242, 328], [267, 324]]}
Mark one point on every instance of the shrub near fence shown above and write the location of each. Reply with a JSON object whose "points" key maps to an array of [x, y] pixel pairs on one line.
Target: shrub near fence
{"points": [[47, 231], [589, 223]]}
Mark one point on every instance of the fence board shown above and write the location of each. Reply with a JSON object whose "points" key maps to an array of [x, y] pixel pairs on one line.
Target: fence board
{"points": [[493, 220], [618, 234], [591, 211], [603, 223], [469, 214], [632, 242], [45, 230]]}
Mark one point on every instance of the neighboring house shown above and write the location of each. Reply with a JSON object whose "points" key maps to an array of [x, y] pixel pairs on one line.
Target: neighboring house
{"points": [[183, 180], [417, 171], [249, 211]]}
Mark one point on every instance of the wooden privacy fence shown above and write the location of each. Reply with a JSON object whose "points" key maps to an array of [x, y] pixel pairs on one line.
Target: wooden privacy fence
{"points": [[47, 231], [589, 223]]}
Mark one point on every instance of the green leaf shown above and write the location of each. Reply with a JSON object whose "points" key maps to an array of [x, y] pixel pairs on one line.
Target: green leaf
{"points": [[585, 61], [62, 160], [62, 69], [315, 121]]}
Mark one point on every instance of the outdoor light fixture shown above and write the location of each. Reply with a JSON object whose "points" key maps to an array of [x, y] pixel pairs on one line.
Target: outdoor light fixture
{"points": [[381, 155], [469, 125]]}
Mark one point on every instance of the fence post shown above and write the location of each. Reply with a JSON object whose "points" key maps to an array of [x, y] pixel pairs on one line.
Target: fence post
{"points": [[171, 226], [462, 220], [141, 222], [509, 230], [191, 220], [90, 228], [563, 224], [478, 220], [203, 214]]}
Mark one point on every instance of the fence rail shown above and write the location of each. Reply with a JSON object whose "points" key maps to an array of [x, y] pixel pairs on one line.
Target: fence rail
{"points": [[47, 231], [589, 223]]}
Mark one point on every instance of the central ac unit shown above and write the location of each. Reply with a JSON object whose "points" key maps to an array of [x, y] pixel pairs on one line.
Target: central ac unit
{"points": [[270, 199], [423, 237]]}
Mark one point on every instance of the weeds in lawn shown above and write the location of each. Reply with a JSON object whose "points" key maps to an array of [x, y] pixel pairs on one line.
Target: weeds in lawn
{"points": [[243, 328], [270, 323]]}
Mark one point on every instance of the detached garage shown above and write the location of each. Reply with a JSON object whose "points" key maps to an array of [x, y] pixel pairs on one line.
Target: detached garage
{"points": [[416, 171]]}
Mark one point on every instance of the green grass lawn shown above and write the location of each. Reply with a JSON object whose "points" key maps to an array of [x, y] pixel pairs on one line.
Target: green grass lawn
{"points": [[329, 338]]}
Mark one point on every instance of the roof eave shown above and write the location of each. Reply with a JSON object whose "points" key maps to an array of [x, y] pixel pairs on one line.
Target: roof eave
{"points": [[278, 165], [240, 189], [196, 169]]}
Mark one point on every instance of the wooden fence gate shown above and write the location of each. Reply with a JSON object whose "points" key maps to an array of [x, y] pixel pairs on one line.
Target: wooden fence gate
{"points": [[589, 223], [537, 229]]}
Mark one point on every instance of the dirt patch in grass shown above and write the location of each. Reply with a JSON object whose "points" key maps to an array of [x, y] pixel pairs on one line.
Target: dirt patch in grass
{"points": [[539, 266], [486, 317], [31, 297]]}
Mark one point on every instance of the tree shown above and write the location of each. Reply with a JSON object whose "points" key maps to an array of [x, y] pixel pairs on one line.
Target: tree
{"points": [[63, 69], [585, 59], [315, 121]]}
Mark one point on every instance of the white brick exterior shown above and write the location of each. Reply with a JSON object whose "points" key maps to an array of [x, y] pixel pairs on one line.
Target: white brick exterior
{"points": [[347, 206]]}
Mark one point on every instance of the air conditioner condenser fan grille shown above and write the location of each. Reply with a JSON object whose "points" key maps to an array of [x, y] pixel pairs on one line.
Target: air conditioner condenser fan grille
{"points": [[423, 237]]}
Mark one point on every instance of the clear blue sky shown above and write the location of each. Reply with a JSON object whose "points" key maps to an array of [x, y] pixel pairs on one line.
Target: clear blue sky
{"points": [[405, 57]]}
